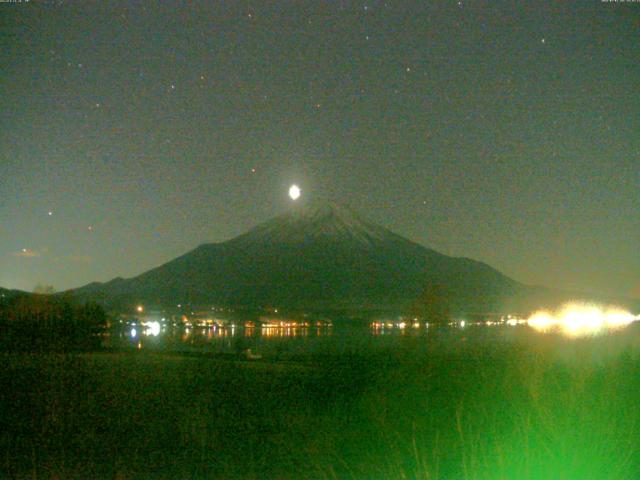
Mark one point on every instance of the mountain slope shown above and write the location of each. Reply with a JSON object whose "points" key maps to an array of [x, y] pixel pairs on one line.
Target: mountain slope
{"points": [[316, 256], [7, 295]]}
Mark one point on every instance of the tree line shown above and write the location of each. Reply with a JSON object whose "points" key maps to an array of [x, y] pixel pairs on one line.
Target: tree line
{"points": [[50, 323]]}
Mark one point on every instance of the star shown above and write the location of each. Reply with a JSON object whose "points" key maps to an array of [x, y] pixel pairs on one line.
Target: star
{"points": [[543, 41], [50, 213]]}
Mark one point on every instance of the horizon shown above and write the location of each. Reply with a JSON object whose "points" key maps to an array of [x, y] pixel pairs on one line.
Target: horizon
{"points": [[290, 207], [302, 203]]}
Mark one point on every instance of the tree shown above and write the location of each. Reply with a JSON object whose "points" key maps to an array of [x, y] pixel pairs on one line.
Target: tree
{"points": [[44, 289]]}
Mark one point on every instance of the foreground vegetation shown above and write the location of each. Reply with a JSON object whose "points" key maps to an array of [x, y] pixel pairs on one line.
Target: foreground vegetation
{"points": [[474, 412]]}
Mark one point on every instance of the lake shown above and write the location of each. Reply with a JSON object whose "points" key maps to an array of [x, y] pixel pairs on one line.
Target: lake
{"points": [[345, 338]]}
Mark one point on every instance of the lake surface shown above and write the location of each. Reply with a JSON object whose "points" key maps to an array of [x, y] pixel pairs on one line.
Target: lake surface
{"points": [[345, 338]]}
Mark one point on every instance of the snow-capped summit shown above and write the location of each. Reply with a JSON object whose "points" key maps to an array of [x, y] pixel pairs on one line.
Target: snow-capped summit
{"points": [[318, 220]]}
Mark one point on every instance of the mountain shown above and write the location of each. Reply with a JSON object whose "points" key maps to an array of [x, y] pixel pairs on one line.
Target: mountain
{"points": [[317, 256], [6, 294]]}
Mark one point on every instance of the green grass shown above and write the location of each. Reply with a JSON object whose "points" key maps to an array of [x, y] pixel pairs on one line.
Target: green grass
{"points": [[493, 412]]}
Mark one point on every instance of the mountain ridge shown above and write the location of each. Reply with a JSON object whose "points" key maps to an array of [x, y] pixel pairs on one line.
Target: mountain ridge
{"points": [[319, 219], [316, 256], [322, 256]]}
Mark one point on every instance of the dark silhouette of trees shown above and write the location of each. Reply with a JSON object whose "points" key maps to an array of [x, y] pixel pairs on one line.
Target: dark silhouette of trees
{"points": [[44, 289], [46, 323]]}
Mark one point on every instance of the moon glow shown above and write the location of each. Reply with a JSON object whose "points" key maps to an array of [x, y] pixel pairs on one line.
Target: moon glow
{"points": [[294, 192]]}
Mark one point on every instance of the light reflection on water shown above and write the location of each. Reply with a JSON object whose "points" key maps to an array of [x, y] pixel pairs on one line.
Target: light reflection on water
{"points": [[343, 337]]}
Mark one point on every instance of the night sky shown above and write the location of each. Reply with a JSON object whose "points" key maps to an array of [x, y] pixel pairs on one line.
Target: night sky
{"points": [[506, 132]]}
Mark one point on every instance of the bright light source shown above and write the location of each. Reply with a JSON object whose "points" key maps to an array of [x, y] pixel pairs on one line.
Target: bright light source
{"points": [[140, 309], [580, 319], [294, 192], [153, 328]]}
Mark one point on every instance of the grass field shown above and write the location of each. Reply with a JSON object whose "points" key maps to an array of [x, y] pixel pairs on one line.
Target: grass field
{"points": [[485, 412]]}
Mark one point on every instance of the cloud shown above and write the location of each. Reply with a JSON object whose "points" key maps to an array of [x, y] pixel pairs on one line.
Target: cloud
{"points": [[27, 253]]}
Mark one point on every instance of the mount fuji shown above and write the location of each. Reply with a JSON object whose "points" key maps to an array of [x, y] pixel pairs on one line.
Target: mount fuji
{"points": [[317, 256]]}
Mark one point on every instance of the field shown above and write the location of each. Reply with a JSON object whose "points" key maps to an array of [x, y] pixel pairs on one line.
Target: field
{"points": [[516, 411]]}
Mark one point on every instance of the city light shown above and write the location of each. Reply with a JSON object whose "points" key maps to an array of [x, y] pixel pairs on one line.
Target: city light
{"points": [[153, 328]]}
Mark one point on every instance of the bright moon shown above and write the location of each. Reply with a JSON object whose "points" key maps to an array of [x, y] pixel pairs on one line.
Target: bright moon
{"points": [[294, 192]]}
